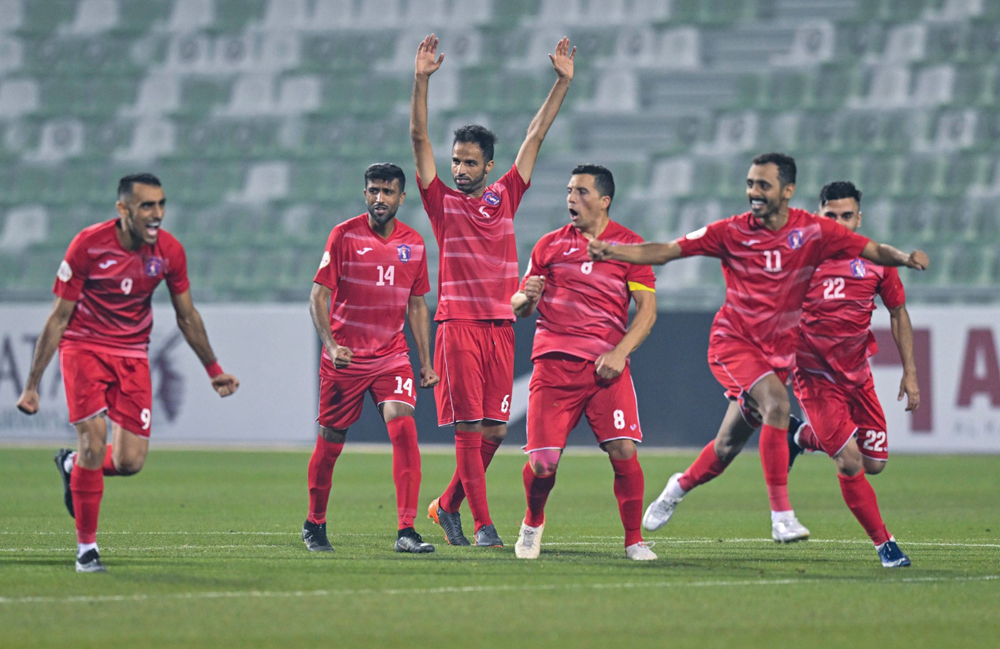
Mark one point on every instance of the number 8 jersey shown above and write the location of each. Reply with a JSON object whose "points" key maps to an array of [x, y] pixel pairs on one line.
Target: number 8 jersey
{"points": [[113, 289], [372, 280]]}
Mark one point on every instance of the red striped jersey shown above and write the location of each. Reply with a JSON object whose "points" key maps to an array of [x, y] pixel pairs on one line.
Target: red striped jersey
{"points": [[113, 288], [767, 274], [836, 320], [583, 310], [477, 272], [372, 280]]}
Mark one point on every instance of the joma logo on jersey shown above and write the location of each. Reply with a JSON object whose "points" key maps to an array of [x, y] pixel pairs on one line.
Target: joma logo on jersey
{"points": [[858, 268], [404, 252], [491, 199], [153, 266], [795, 239]]}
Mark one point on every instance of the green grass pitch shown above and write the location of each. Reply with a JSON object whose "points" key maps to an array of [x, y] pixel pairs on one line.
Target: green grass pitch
{"points": [[203, 550]]}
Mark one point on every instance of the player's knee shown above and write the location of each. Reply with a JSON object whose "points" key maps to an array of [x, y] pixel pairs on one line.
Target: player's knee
{"points": [[333, 435], [873, 467], [544, 463], [776, 410], [619, 449], [129, 466], [849, 464], [494, 431]]}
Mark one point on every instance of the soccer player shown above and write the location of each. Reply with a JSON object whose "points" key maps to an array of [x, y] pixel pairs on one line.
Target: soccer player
{"points": [[372, 275], [580, 354], [474, 345], [832, 378], [768, 256], [100, 323]]}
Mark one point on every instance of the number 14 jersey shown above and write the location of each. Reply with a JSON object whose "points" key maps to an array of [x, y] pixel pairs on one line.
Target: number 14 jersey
{"points": [[372, 280]]}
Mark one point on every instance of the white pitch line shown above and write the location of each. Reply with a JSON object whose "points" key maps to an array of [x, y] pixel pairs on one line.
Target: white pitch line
{"points": [[142, 597]]}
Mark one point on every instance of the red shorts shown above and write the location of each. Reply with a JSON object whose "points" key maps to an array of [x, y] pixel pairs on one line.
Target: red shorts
{"points": [[342, 392], [97, 382], [475, 360], [562, 388], [738, 365], [839, 412]]}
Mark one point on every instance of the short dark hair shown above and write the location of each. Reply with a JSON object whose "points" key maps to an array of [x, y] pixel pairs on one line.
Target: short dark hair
{"points": [[385, 171], [785, 164], [604, 182], [126, 184], [837, 190], [479, 135]]}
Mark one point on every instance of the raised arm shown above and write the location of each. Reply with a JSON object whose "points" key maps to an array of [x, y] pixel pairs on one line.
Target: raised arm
{"points": [[643, 254], [319, 309], [562, 61], [420, 324], [524, 301], [191, 325], [885, 255], [612, 363], [425, 65], [48, 343], [902, 333]]}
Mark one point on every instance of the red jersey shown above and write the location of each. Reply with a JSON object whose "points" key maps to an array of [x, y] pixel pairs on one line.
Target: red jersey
{"points": [[478, 264], [583, 310], [113, 288], [767, 274], [836, 320], [372, 280]]}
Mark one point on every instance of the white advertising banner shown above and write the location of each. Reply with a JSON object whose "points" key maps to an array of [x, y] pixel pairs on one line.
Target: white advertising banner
{"points": [[959, 375], [272, 349]]}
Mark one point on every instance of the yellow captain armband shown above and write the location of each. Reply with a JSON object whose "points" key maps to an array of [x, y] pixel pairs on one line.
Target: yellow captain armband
{"points": [[636, 286]]}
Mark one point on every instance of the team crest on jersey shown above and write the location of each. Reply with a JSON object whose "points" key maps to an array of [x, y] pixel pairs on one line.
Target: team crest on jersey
{"points": [[795, 239], [858, 267], [491, 198], [153, 267], [65, 273], [404, 252]]}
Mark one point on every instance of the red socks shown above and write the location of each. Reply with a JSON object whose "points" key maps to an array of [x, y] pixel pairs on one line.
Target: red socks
{"points": [[629, 485], [536, 489], [453, 496], [108, 468], [321, 464], [87, 486], [405, 468], [774, 459], [860, 498], [707, 466], [472, 473]]}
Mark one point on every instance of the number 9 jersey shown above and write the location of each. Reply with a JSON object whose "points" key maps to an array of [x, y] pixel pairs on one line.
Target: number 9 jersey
{"points": [[372, 280], [113, 289]]}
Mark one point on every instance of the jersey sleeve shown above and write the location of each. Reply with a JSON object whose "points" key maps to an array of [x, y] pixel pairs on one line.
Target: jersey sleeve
{"points": [[839, 242], [422, 283], [73, 271], [514, 188], [708, 241], [891, 289], [177, 273], [640, 278], [536, 265], [328, 273], [433, 198]]}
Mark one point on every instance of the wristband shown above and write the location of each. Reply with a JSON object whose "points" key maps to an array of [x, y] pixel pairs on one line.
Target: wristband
{"points": [[213, 369]]}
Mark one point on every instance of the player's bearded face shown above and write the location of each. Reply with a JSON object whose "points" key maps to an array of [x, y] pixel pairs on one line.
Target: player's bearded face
{"points": [[383, 198], [468, 169], [764, 191]]}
